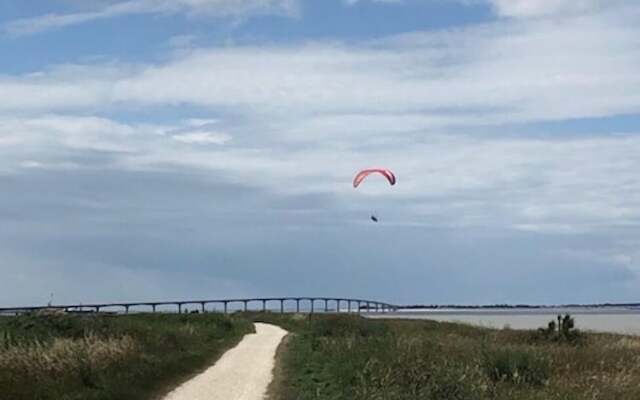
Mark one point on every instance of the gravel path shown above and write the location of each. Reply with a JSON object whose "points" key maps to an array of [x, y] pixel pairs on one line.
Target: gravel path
{"points": [[242, 373]]}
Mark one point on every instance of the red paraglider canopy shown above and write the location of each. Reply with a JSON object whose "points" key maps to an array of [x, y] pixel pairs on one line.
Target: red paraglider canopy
{"points": [[366, 172]]}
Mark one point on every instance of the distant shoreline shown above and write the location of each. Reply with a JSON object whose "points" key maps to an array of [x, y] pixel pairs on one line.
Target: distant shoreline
{"points": [[518, 306]]}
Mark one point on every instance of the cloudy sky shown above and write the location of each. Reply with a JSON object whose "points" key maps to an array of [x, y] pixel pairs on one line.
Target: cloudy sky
{"points": [[164, 149]]}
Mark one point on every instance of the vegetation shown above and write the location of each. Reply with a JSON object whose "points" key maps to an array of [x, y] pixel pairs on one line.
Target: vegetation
{"points": [[347, 357], [335, 357], [564, 330], [137, 356]]}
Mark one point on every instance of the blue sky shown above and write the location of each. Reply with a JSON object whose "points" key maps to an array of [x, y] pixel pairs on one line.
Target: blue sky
{"points": [[204, 148]]}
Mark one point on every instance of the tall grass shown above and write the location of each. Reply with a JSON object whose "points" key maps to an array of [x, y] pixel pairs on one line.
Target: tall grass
{"points": [[130, 357], [60, 355], [346, 357]]}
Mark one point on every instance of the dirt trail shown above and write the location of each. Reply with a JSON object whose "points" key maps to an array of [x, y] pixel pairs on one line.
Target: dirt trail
{"points": [[242, 373]]}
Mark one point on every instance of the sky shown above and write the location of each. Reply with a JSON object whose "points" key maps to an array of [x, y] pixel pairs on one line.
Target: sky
{"points": [[187, 149]]}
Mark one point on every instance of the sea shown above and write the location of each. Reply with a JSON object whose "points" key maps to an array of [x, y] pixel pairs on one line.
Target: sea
{"points": [[612, 320]]}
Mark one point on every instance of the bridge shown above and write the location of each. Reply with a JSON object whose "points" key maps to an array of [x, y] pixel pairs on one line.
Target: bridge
{"points": [[352, 305]]}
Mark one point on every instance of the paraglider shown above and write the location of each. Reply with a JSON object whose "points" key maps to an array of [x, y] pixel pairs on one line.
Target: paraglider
{"points": [[360, 176], [366, 172]]}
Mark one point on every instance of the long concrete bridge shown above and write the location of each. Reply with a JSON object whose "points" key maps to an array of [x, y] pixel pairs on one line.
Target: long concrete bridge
{"points": [[351, 305]]}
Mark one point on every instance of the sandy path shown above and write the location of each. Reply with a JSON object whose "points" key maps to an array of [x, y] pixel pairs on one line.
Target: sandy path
{"points": [[242, 373]]}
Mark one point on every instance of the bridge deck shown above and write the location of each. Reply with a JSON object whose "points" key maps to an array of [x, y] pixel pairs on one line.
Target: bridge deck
{"points": [[177, 306]]}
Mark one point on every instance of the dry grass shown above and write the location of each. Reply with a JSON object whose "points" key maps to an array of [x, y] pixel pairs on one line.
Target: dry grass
{"points": [[60, 355], [108, 357]]}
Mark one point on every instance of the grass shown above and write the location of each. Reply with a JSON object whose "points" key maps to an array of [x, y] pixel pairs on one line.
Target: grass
{"points": [[91, 357], [326, 357], [347, 357]]}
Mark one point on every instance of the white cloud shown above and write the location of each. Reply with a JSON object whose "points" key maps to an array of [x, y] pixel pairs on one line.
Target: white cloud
{"points": [[353, 2], [198, 122], [202, 137], [545, 185], [396, 101], [512, 71], [538, 8], [210, 8], [295, 122]]}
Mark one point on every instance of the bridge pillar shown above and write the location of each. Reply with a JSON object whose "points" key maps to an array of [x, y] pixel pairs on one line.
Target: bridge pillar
{"points": [[245, 305], [326, 305], [348, 305], [179, 308], [202, 305], [225, 306], [264, 305], [312, 301], [281, 306], [97, 309], [337, 305], [297, 305], [126, 309], [153, 307]]}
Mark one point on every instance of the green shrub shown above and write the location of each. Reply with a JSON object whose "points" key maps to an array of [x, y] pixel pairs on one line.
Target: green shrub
{"points": [[563, 330], [346, 325], [517, 366]]}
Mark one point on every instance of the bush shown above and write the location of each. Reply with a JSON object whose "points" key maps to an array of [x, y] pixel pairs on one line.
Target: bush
{"points": [[562, 331], [517, 366], [346, 325]]}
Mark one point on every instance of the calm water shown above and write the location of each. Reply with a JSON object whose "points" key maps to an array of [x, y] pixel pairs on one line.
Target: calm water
{"points": [[623, 320]]}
